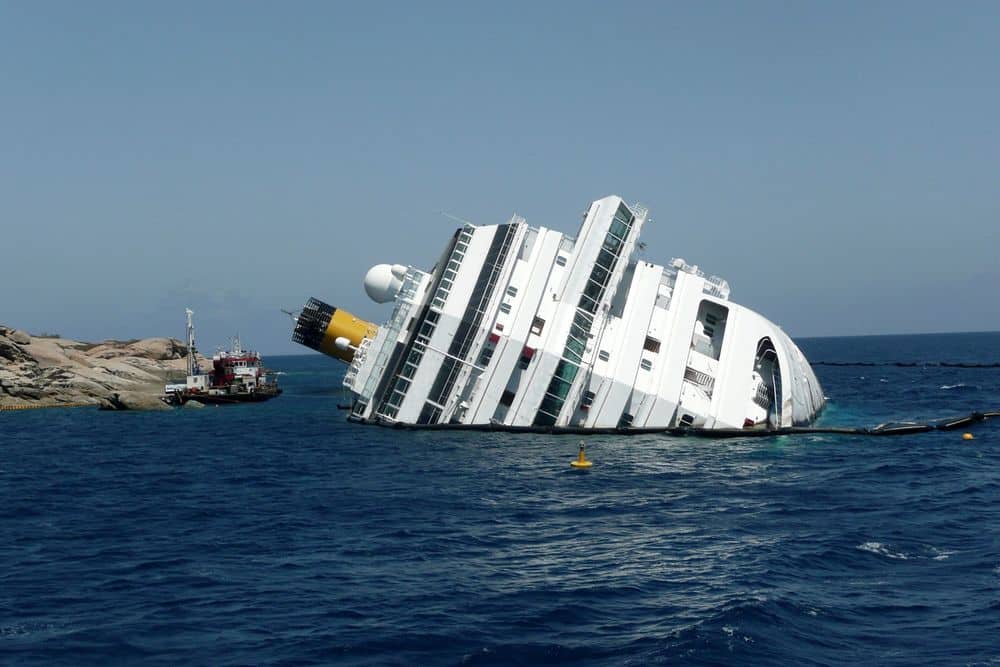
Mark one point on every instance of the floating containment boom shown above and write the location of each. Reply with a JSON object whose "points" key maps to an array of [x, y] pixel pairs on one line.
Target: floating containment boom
{"points": [[524, 327]]}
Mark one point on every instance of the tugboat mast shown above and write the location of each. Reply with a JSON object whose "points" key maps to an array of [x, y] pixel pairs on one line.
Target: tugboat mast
{"points": [[192, 365]]}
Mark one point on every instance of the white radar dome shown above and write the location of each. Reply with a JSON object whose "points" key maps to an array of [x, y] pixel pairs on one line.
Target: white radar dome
{"points": [[382, 282]]}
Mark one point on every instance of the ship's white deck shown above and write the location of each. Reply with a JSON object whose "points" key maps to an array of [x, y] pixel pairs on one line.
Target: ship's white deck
{"points": [[523, 325]]}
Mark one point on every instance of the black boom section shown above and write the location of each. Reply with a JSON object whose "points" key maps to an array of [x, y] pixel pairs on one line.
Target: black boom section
{"points": [[312, 323]]}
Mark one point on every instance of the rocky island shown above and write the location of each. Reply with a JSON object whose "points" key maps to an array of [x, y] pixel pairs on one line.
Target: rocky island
{"points": [[49, 371]]}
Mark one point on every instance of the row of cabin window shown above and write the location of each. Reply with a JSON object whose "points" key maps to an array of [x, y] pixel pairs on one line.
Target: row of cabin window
{"points": [[626, 420], [536, 328], [402, 383], [650, 345], [644, 364], [536, 325], [504, 306], [448, 276], [507, 399]]}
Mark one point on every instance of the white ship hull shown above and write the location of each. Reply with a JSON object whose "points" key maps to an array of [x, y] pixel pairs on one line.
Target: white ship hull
{"points": [[519, 326]]}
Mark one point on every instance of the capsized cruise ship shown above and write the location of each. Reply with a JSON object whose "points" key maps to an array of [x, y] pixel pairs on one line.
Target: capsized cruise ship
{"points": [[525, 327]]}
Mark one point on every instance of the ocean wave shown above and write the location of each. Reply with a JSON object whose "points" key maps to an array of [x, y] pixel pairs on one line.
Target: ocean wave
{"points": [[437, 547], [941, 554], [881, 550], [926, 552], [37, 629]]}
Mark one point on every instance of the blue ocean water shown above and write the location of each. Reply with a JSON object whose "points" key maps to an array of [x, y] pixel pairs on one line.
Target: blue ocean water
{"points": [[279, 534]]}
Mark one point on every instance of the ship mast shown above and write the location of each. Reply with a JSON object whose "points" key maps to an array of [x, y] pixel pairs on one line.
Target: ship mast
{"points": [[192, 365]]}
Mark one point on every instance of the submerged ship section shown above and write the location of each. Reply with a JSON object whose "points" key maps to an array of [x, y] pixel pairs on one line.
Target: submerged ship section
{"points": [[526, 327]]}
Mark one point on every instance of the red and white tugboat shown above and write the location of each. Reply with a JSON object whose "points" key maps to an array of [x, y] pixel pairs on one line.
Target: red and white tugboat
{"points": [[237, 376]]}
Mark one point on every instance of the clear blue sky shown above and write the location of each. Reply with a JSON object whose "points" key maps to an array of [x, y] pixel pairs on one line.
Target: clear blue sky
{"points": [[838, 163]]}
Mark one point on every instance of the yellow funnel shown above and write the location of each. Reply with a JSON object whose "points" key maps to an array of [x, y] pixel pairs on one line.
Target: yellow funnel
{"points": [[320, 325]]}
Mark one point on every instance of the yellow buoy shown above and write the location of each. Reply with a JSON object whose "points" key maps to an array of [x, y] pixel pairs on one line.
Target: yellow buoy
{"points": [[581, 459], [967, 436]]}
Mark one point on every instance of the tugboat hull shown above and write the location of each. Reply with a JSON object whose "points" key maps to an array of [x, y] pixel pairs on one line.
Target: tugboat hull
{"points": [[228, 399]]}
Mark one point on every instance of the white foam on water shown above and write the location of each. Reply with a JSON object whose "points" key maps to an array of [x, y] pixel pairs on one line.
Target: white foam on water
{"points": [[953, 386], [925, 553], [881, 550]]}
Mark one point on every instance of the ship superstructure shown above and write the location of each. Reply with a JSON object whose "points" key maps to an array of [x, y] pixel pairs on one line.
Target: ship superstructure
{"points": [[525, 326]]}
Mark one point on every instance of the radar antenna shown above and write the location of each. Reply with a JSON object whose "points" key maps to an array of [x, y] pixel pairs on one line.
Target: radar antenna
{"points": [[457, 219]]}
